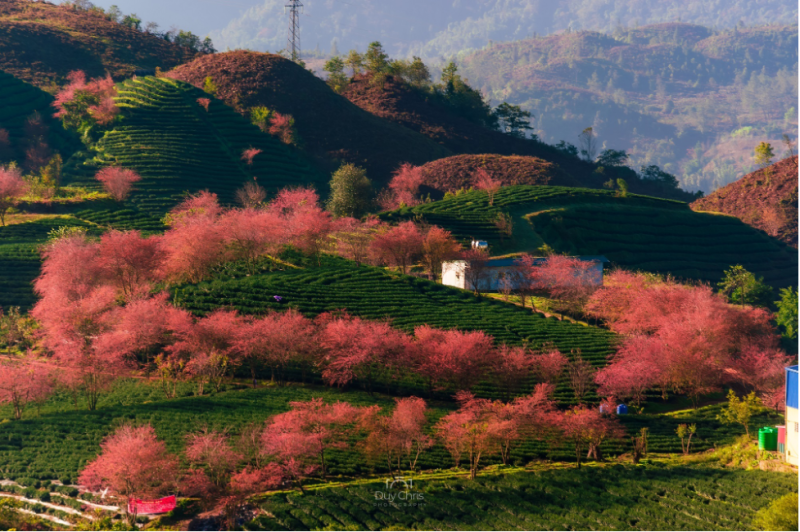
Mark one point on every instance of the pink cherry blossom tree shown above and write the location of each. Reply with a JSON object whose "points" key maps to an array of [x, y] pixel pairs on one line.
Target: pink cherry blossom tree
{"points": [[132, 464], [484, 181], [118, 182], [24, 381], [399, 246], [12, 187]]}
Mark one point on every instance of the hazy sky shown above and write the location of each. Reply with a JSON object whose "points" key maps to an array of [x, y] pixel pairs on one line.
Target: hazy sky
{"points": [[197, 16]]}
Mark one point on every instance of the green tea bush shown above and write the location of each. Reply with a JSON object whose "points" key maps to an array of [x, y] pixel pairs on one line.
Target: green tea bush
{"points": [[609, 498]]}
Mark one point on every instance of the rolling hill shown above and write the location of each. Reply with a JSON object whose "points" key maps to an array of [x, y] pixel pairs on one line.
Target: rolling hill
{"points": [[178, 147], [765, 199], [330, 127], [398, 102], [634, 232], [454, 173], [21, 102], [42, 42], [407, 301]]}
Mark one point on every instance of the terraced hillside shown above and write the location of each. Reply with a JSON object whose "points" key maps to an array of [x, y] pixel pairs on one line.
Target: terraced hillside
{"points": [[374, 293], [635, 232], [178, 147], [610, 498], [41, 43], [20, 101], [20, 260], [57, 442], [331, 127]]}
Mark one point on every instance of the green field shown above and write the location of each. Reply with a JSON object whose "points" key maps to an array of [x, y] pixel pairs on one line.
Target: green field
{"points": [[616, 497], [58, 443], [635, 232], [179, 147]]}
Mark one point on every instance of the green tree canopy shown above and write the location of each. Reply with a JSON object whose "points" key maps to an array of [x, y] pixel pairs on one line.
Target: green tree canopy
{"points": [[787, 313], [763, 154], [350, 191], [513, 120], [744, 288]]}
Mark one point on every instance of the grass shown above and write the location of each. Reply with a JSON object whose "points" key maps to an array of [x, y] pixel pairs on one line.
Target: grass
{"points": [[635, 232], [57, 442]]}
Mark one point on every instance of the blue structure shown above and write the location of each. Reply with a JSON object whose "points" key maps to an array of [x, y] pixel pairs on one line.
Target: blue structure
{"points": [[622, 409], [792, 416]]}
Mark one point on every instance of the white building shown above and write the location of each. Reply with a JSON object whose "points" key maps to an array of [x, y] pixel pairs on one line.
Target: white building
{"points": [[792, 417], [503, 273]]}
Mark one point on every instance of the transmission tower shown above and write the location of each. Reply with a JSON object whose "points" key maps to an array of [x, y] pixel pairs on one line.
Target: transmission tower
{"points": [[295, 7]]}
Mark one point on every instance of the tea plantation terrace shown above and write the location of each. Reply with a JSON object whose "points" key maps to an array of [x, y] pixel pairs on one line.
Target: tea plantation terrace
{"points": [[635, 232], [178, 147]]}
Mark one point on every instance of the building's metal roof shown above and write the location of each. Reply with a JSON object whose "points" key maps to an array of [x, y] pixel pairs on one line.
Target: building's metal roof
{"points": [[507, 262]]}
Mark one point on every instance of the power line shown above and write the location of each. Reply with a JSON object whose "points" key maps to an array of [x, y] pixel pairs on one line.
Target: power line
{"points": [[293, 45]]}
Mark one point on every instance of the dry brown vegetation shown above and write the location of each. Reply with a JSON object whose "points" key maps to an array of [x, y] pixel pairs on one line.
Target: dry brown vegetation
{"points": [[765, 199], [41, 43]]}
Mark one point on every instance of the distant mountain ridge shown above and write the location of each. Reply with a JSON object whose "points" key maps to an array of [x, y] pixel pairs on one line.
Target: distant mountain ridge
{"points": [[436, 29], [691, 100]]}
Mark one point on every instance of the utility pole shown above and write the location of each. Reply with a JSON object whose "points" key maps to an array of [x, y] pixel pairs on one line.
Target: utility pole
{"points": [[293, 45]]}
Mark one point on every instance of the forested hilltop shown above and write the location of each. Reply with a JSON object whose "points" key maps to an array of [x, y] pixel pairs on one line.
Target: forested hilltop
{"points": [[692, 100]]}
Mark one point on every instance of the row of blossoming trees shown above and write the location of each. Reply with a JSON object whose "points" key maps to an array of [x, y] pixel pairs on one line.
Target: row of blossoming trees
{"points": [[98, 313], [293, 446]]}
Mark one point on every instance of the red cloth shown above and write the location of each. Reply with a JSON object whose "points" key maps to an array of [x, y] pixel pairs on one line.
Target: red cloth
{"points": [[781, 434], [155, 506]]}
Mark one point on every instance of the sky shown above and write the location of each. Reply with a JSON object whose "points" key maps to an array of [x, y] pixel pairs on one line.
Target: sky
{"points": [[198, 16]]}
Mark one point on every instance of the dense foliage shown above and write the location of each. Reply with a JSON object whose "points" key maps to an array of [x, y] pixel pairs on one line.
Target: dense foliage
{"points": [[683, 97]]}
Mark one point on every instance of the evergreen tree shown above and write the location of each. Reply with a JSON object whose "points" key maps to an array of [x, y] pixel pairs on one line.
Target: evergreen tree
{"points": [[350, 191]]}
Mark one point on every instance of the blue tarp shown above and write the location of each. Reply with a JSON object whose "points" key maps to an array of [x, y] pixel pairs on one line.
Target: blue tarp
{"points": [[791, 387]]}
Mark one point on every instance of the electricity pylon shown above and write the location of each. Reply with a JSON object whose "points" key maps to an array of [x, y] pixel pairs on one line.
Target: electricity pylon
{"points": [[295, 7]]}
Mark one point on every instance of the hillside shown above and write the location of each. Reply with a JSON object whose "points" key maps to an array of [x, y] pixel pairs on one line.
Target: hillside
{"points": [[692, 100], [765, 199], [436, 30], [377, 294], [20, 260], [457, 172], [634, 232], [330, 127], [178, 147], [397, 102], [22, 104], [41, 43], [57, 443]]}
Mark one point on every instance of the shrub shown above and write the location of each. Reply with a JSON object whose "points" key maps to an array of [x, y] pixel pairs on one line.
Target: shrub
{"points": [[781, 514]]}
